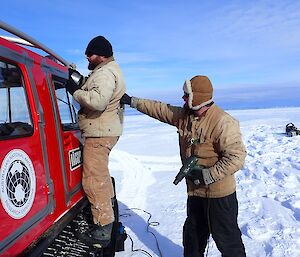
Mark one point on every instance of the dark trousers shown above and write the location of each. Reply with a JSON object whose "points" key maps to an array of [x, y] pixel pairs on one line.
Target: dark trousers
{"points": [[217, 216]]}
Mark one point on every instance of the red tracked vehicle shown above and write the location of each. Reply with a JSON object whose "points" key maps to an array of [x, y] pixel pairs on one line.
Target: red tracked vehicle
{"points": [[42, 201]]}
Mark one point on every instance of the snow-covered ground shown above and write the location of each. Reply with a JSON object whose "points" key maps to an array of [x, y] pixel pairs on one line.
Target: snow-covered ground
{"points": [[146, 160]]}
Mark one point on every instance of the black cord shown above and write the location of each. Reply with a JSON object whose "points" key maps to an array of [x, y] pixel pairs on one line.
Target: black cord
{"points": [[138, 250], [153, 223], [208, 221]]}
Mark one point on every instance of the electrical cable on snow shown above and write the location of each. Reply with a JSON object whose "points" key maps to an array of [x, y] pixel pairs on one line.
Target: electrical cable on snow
{"points": [[153, 223], [138, 250], [208, 221]]}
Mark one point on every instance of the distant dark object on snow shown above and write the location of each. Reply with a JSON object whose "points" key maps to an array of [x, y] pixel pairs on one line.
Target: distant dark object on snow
{"points": [[291, 130]]}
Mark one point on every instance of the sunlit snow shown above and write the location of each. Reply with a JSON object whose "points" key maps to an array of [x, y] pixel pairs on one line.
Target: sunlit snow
{"points": [[146, 160]]}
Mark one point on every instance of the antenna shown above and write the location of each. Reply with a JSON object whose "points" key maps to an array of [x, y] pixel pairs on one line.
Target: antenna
{"points": [[27, 40]]}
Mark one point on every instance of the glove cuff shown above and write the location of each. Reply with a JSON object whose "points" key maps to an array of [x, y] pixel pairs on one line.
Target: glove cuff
{"points": [[207, 177], [134, 102]]}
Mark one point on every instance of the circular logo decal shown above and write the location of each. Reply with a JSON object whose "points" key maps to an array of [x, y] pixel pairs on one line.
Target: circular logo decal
{"points": [[17, 184]]}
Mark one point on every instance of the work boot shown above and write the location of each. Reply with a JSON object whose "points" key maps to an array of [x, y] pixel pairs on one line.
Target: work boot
{"points": [[98, 236]]}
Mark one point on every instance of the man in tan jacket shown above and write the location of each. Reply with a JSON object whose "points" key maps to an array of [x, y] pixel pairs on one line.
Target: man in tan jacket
{"points": [[100, 120], [214, 138]]}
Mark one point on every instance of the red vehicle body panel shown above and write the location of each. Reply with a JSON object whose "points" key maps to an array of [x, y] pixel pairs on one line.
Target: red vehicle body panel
{"points": [[55, 153]]}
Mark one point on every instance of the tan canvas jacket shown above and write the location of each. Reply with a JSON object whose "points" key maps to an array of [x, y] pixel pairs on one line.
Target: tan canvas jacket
{"points": [[101, 114], [215, 139]]}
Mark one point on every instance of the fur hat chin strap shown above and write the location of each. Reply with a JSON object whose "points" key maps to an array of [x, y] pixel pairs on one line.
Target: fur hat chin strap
{"points": [[187, 88], [196, 108]]}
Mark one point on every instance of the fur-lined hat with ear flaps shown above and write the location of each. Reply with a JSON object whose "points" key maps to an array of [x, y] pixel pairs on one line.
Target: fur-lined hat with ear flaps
{"points": [[200, 92]]}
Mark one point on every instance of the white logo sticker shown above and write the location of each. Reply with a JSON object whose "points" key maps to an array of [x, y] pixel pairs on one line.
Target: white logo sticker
{"points": [[75, 158], [17, 184]]}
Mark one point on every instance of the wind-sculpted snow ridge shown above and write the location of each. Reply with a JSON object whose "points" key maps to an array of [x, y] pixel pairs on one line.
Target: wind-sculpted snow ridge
{"points": [[146, 160], [269, 192]]}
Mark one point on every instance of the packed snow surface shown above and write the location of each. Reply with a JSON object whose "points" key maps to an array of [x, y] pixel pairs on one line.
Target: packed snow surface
{"points": [[153, 210]]}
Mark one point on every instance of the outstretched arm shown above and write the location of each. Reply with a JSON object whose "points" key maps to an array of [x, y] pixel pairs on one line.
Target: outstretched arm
{"points": [[163, 112]]}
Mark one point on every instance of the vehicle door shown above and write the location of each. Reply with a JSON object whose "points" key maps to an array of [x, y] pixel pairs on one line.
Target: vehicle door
{"points": [[71, 137], [25, 186]]}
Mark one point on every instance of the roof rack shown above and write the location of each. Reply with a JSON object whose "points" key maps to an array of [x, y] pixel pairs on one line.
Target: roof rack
{"points": [[29, 41]]}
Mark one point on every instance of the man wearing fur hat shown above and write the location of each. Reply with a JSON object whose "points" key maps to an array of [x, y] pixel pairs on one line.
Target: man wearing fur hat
{"points": [[214, 138], [100, 120]]}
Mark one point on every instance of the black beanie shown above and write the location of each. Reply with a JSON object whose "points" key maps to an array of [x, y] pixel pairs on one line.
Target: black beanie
{"points": [[99, 46]]}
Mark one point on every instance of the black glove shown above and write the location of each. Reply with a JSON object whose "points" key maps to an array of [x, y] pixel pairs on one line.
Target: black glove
{"points": [[200, 175], [74, 82], [125, 99]]}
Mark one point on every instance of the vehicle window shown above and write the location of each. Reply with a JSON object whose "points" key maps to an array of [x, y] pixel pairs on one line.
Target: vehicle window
{"points": [[15, 118], [67, 110]]}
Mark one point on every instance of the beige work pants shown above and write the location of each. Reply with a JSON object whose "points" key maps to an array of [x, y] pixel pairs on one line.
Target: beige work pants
{"points": [[96, 180]]}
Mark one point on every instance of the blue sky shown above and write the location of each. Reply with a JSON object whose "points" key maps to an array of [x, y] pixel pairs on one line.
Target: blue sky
{"points": [[159, 44]]}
